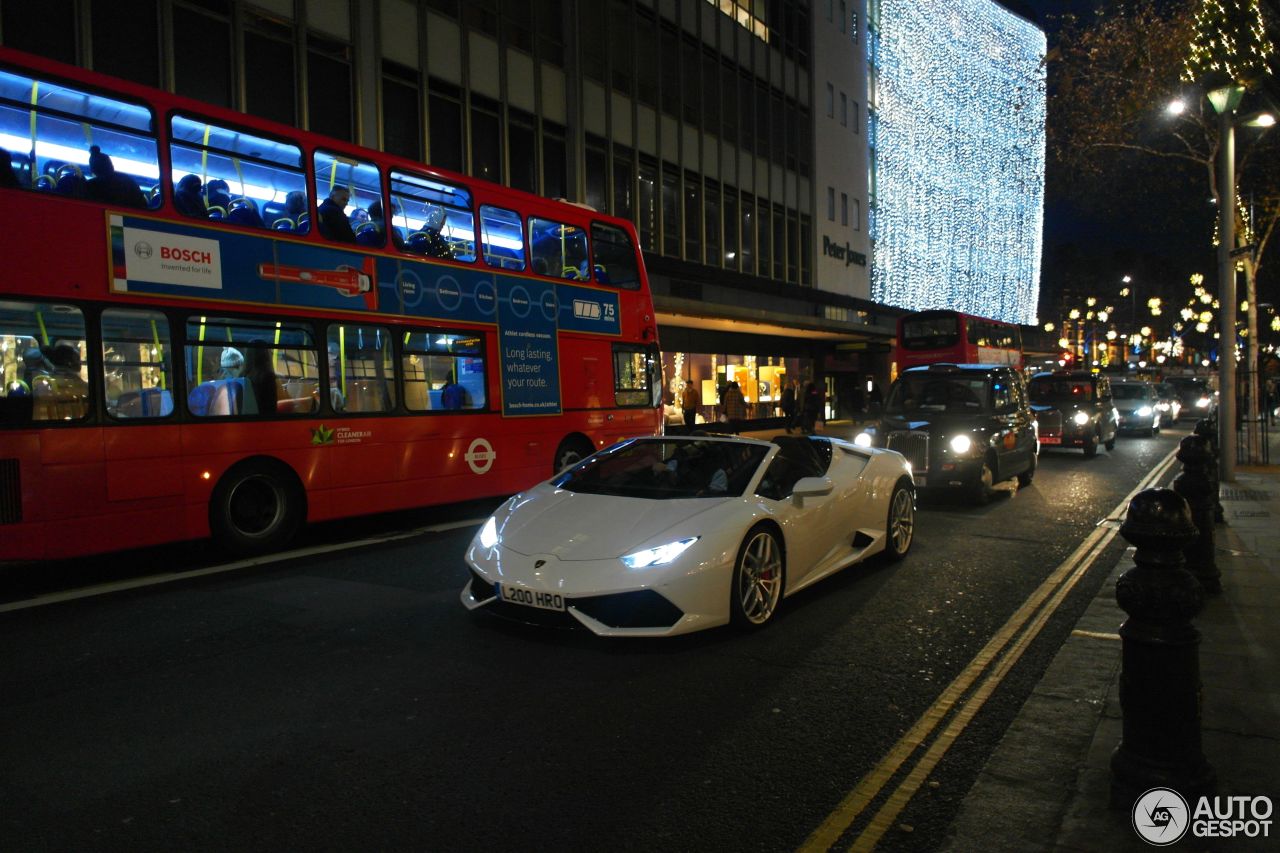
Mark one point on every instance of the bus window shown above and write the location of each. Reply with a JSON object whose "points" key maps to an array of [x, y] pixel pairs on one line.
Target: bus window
{"points": [[436, 217], [42, 349], [250, 366], [136, 377], [615, 257], [502, 238], [49, 129], [361, 369], [224, 174], [443, 371], [636, 377], [559, 251], [363, 182]]}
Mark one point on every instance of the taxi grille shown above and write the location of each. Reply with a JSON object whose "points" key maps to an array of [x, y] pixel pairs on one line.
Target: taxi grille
{"points": [[1050, 423], [914, 446]]}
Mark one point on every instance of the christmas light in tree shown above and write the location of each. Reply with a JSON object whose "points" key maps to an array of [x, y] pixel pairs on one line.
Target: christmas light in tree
{"points": [[1230, 44]]}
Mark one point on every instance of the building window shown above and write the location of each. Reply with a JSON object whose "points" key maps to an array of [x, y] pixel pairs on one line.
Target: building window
{"points": [[126, 41], [748, 234], [486, 140], [692, 218], [844, 208], [853, 108], [269, 71], [623, 183], [857, 214], [201, 55], [596, 182], [554, 181], [670, 212], [831, 204], [521, 151], [730, 228], [401, 113], [831, 101], [763, 230], [445, 137], [844, 110], [711, 223], [648, 198], [329, 87], [842, 15]]}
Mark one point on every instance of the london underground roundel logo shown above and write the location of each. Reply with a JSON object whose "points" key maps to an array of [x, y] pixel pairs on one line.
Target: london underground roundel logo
{"points": [[480, 456], [1161, 816]]}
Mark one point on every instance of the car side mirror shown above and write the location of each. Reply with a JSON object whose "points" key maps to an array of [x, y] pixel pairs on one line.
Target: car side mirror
{"points": [[811, 487]]}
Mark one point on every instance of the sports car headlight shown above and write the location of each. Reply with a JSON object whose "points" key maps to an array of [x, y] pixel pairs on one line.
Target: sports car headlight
{"points": [[1143, 412], [489, 533], [1202, 403], [961, 444], [1081, 418], [659, 556], [862, 439]]}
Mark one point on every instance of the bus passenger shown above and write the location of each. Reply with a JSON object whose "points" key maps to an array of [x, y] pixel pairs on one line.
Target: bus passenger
{"points": [[188, 199], [231, 363], [452, 395], [381, 226], [433, 244], [7, 176], [108, 185], [333, 217], [295, 208], [262, 389]]}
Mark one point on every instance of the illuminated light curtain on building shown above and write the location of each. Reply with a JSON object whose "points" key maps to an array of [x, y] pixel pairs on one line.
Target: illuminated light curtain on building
{"points": [[959, 159]]}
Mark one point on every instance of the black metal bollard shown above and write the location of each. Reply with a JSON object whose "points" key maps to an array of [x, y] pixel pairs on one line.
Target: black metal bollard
{"points": [[1207, 428], [1195, 485], [1160, 673]]}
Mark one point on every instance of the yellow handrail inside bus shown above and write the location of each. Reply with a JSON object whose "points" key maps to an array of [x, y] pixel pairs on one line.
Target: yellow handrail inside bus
{"points": [[235, 161], [155, 339], [204, 157], [35, 93], [342, 361], [44, 333], [200, 353], [275, 353]]}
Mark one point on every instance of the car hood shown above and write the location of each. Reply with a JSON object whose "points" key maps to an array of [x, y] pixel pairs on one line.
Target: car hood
{"points": [[574, 526], [940, 422]]}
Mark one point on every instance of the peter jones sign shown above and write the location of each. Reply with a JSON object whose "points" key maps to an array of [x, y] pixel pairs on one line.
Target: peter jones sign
{"points": [[842, 252]]}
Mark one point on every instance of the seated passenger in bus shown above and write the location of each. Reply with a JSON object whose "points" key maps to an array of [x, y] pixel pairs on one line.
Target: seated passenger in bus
{"points": [[295, 208], [244, 211], [333, 218], [380, 226], [262, 386], [218, 198], [188, 199], [430, 241], [109, 186], [452, 395], [7, 176], [61, 394]]}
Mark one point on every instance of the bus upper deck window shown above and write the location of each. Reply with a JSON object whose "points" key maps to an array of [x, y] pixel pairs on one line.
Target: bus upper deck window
{"points": [[559, 250], [348, 188], [614, 257], [502, 237], [434, 217], [61, 126], [224, 174]]}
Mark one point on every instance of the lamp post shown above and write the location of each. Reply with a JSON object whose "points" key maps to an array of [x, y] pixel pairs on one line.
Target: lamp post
{"points": [[1225, 100]]}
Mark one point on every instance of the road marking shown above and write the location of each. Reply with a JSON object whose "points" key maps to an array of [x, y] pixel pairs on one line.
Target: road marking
{"points": [[1053, 590], [168, 577]]}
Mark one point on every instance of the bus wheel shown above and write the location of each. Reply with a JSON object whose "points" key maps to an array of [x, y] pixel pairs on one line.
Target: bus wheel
{"points": [[256, 507], [571, 451]]}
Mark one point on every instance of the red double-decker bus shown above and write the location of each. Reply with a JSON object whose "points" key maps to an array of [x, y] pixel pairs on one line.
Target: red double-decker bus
{"points": [[943, 336], [216, 325]]}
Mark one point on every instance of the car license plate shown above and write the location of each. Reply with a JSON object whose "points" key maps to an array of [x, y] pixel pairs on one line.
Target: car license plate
{"points": [[1051, 439], [531, 597]]}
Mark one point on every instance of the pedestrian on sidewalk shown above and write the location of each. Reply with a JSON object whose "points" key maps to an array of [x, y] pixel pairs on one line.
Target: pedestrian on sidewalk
{"points": [[689, 404], [810, 408], [735, 407]]}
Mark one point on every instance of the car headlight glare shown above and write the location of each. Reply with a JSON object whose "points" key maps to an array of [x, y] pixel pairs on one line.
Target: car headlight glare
{"points": [[489, 533], [1202, 403], [961, 444], [659, 556], [1081, 418], [1144, 412], [862, 439]]}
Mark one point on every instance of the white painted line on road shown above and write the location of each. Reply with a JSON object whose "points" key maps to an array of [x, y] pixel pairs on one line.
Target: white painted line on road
{"points": [[999, 655], [168, 577]]}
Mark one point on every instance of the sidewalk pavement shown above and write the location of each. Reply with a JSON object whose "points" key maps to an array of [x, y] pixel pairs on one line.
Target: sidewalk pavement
{"points": [[1047, 785]]}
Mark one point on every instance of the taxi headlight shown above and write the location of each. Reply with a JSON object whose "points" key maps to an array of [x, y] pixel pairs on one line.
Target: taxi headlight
{"points": [[1081, 418], [1202, 403], [489, 533], [961, 444], [1144, 412], [658, 556], [862, 439]]}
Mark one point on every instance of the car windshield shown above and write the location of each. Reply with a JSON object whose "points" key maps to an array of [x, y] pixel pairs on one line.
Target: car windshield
{"points": [[1131, 392], [1058, 390], [662, 469], [928, 393]]}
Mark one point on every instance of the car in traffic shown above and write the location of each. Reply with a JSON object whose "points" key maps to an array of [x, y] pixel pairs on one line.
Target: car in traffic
{"points": [[663, 536], [1074, 409], [1137, 405], [961, 426], [1198, 398], [1168, 402]]}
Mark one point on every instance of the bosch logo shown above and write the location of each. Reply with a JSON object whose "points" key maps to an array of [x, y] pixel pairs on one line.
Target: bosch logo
{"points": [[172, 253], [143, 249]]}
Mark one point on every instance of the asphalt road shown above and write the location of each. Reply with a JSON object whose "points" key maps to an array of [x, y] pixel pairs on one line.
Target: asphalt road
{"points": [[347, 701]]}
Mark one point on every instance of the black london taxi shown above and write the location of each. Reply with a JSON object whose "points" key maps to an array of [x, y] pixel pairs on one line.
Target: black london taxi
{"points": [[961, 426], [1074, 409]]}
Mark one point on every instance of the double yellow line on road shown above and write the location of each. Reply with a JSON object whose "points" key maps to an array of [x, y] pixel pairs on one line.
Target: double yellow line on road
{"points": [[991, 665]]}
